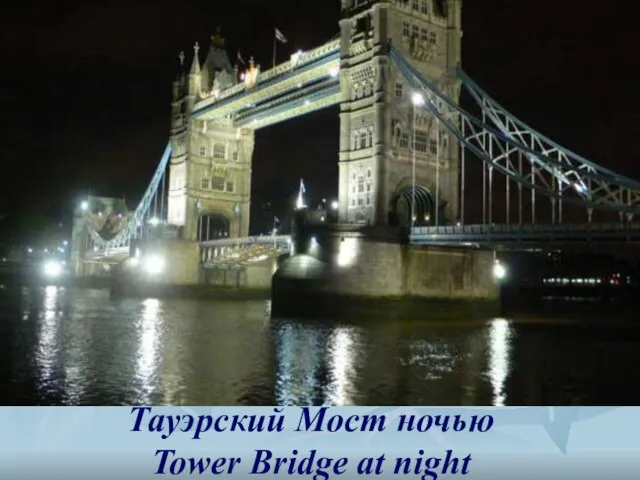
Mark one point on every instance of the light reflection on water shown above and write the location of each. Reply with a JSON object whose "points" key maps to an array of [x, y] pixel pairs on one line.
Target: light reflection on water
{"points": [[62, 346]]}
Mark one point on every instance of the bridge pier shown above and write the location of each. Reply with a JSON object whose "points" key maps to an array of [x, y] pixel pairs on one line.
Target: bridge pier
{"points": [[336, 267]]}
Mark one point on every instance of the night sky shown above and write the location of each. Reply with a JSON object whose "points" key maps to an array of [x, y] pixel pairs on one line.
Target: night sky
{"points": [[86, 85]]}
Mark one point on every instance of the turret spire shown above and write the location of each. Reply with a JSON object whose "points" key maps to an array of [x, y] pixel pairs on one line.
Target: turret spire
{"points": [[195, 65]]}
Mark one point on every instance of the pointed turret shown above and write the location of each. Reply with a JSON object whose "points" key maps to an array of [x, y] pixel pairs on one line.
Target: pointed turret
{"points": [[195, 64], [178, 83], [217, 65]]}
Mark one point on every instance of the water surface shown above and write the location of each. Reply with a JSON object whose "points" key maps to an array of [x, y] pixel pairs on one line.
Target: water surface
{"points": [[78, 347]]}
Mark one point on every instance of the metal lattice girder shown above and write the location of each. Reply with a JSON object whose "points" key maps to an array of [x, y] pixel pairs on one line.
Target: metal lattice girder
{"points": [[502, 142], [123, 238]]}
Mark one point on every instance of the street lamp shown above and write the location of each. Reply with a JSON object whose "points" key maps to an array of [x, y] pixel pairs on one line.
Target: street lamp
{"points": [[334, 205], [417, 100]]}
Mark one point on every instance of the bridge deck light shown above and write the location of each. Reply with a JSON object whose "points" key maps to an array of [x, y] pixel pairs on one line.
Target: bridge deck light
{"points": [[499, 271], [417, 99]]}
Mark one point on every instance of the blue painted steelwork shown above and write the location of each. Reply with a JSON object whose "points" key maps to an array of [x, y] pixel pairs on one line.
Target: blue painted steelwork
{"points": [[488, 234], [290, 105], [261, 86], [610, 192], [122, 239]]}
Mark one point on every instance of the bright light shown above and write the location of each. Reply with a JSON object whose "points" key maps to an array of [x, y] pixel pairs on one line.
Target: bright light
{"points": [[65, 243], [333, 73], [417, 99], [154, 221], [29, 250], [322, 218], [84, 205], [334, 205], [154, 264], [499, 271], [52, 268]]}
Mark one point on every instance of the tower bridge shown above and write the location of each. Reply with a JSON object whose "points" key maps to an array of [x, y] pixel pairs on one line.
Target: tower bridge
{"points": [[405, 144]]}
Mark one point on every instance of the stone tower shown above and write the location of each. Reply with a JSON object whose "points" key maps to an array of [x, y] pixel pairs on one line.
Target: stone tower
{"points": [[210, 172], [378, 115]]}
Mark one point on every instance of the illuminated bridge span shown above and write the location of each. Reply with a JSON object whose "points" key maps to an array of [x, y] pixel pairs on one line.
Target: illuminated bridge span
{"points": [[405, 146]]}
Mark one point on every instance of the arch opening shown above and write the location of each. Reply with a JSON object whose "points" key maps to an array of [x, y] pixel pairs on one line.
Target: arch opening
{"points": [[213, 226], [412, 201]]}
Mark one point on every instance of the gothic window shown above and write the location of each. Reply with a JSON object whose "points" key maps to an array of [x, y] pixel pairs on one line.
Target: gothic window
{"points": [[415, 31], [370, 137], [354, 140], [231, 187], [399, 90], [361, 184], [204, 183], [433, 147], [433, 38], [203, 151], [404, 140], [415, 4], [424, 7], [440, 8], [235, 156], [363, 139], [219, 150], [218, 183], [405, 29], [421, 141]]}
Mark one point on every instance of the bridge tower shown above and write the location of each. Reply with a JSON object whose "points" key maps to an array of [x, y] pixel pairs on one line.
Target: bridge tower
{"points": [[382, 131], [210, 172]]}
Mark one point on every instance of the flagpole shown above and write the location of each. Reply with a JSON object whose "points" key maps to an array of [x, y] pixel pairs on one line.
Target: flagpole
{"points": [[275, 43]]}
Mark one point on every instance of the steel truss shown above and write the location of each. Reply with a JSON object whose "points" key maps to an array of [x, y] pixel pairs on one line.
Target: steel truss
{"points": [[152, 205], [524, 156]]}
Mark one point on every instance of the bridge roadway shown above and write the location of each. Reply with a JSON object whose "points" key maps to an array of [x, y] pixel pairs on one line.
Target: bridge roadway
{"points": [[234, 252]]}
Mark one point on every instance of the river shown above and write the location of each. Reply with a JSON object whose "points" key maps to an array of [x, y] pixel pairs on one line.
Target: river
{"points": [[65, 346]]}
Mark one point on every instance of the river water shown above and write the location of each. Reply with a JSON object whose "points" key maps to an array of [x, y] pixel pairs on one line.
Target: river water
{"points": [[78, 347]]}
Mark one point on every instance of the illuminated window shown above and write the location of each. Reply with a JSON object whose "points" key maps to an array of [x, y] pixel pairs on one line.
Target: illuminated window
{"points": [[218, 183], [219, 150]]}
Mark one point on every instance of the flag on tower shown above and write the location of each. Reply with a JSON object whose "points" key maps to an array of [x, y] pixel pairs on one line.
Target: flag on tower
{"points": [[280, 36]]}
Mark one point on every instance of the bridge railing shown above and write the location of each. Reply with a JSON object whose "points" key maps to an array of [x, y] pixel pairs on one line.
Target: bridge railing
{"points": [[539, 228], [242, 251]]}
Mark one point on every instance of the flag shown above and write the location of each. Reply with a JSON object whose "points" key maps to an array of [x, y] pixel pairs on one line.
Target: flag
{"points": [[240, 60], [280, 36]]}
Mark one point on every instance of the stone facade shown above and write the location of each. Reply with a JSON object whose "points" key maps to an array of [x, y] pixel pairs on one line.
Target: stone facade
{"points": [[377, 116], [210, 171]]}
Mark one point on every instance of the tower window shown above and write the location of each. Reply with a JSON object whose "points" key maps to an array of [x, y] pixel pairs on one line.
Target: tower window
{"points": [[204, 183], [405, 29], [415, 4], [235, 156], [399, 90], [218, 183], [424, 7], [203, 151], [231, 187], [219, 150]]}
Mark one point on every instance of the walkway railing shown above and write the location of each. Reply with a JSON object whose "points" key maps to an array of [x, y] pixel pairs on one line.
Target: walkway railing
{"points": [[541, 233]]}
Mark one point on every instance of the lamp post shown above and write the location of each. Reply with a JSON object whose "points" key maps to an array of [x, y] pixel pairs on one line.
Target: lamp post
{"points": [[417, 100]]}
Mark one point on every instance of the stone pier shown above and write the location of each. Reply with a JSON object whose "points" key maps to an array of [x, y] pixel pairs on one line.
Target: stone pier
{"points": [[337, 267]]}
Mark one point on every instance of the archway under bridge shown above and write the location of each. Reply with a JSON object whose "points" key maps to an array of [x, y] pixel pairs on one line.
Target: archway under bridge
{"points": [[213, 226], [424, 208]]}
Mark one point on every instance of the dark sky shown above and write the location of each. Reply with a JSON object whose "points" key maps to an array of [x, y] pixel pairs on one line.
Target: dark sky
{"points": [[86, 87]]}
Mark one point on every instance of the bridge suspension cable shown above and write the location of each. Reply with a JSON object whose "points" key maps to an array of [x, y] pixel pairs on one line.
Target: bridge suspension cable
{"points": [[150, 210], [509, 146]]}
